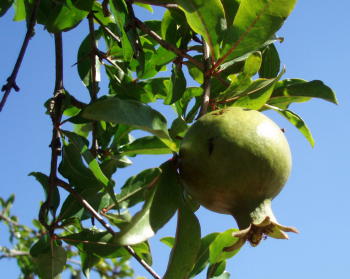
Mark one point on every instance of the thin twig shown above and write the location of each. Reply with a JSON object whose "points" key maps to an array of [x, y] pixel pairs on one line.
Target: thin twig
{"points": [[107, 226], [14, 254], [56, 116], [206, 81], [167, 45], [14, 223], [238, 42], [11, 80], [138, 49], [107, 30], [94, 85], [165, 5]]}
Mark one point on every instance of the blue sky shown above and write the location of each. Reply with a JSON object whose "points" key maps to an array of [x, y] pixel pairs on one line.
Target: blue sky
{"points": [[315, 199]]}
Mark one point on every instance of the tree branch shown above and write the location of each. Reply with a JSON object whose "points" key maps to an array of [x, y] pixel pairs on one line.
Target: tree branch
{"points": [[166, 44], [94, 87], [107, 226], [56, 116], [107, 30], [11, 80], [206, 82]]}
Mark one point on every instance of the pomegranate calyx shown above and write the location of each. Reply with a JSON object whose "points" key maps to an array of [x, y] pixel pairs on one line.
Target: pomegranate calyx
{"points": [[256, 232]]}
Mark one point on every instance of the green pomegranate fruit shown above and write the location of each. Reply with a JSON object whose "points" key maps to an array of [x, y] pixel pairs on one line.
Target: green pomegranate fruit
{"points": [[235, 161]]}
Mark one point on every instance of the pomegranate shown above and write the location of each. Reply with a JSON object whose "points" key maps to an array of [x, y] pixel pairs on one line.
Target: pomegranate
{"points": [[235, 161]]}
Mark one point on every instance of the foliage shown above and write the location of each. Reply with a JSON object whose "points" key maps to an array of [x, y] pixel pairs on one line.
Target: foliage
{"points": [[228, 49]]}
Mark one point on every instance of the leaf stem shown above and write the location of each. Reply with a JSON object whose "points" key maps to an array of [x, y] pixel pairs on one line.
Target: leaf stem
{"points": [[166, 44], [207, 78], [106, 225], [11, 80]]}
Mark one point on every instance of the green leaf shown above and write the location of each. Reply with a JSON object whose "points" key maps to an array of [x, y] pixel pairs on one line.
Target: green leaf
{"points": [[99, 243], [121, 15], [207, 18], [43, 179], [84, 64], [203, 254], [187, 244], [50, 264], [146, 6], [73, 208], [59, 15], [252, 64], [271, 63], [159, 207], [169, 241], [145, 145], [87, 262], [85, 5], [133, 191], [255, 23], [182, 104], [73, 168], [131, 113], [216, 248], [301, 88], [258, 93], [177, 85], [20, 10], [284, 101], [79, 144], [4, 6], [230, 8], [216, 270], [299, 123], [225, 275]]}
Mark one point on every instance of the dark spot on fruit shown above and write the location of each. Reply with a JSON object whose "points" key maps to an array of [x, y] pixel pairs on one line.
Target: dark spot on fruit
{"points": [[283, 130], [210, 145]]}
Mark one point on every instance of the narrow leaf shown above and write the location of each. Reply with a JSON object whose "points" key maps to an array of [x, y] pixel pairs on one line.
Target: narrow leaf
{"points": [[133, 191], [216, 248], [131, 113], [299, 123], [258, 93], [160, 206], [4, 6], [207, 18], [80, 144], [300, 88], [187, 244], [145, 145], [177, 85], [271, 63], [43, 179], [255, 23]]}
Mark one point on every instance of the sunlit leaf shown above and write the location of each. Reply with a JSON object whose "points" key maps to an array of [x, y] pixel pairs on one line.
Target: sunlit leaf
{"points": [[299, 123], [207, 18], [203, 254], [255, 23], [301, 88], [252, 64], [187, 244], [145, 145], [216, 248]]}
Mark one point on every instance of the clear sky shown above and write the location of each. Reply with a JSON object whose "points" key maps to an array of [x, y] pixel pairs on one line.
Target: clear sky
{"points": [[315, 199]]}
